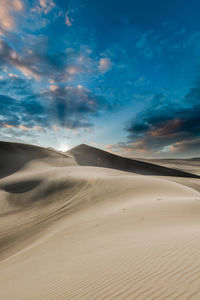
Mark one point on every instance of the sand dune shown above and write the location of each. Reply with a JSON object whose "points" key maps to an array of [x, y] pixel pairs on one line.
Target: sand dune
{"points": [[15, 156], [91, 156], [72, 230], [187, 165]]}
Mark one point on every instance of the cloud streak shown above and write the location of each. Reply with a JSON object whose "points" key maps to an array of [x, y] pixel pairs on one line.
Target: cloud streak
{"points": [[104, 64], [9, 9]]}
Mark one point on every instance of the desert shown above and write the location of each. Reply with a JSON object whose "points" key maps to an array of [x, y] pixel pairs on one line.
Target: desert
{"points": [[84, 224], [99, 150]]}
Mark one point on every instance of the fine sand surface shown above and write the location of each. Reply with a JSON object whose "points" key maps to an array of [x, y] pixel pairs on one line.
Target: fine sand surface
{"points": [[87, 224]]}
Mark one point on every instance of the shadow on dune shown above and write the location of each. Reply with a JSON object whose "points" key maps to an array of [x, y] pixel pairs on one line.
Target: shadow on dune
{"points": [[27, 192], [21, 186], [90, 156]]}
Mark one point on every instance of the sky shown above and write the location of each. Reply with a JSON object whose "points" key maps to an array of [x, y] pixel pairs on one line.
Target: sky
{"points": [[122, 76]]}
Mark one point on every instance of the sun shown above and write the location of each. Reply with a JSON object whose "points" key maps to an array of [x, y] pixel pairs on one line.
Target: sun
{"points": [[63, 147]]}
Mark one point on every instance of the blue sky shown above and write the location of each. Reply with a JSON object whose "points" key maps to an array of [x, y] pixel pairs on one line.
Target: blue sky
{"points": [[119, 75]]}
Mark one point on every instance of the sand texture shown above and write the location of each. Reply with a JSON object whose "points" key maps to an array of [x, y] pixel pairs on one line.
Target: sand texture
{"points": [[87, 224]]}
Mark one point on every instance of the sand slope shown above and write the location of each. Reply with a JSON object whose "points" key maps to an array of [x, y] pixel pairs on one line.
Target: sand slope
{"points": [[84, 232]]}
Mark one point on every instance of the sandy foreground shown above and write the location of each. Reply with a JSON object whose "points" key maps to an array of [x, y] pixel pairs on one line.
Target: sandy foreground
{"points": [[90, 225]]}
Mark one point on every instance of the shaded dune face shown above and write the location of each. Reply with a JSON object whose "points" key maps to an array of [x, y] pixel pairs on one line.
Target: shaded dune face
{"points": [[21, 186], [90, 156], [14, 156]]}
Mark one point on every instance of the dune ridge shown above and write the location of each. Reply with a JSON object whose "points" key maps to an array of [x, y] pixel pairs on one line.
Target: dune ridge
{"points": [[73, 226], [90, 156]]}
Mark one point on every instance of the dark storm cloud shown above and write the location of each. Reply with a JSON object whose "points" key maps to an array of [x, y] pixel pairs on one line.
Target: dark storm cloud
{"points": [[166, 124], [166, 121], [187, 146], [193, 97]]}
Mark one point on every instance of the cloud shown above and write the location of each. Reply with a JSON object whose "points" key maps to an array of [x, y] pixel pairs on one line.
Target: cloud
{"points": [[167, 40], [55, 127], [37, 63], [24, 128], [68, 20], [186, 146], [28, 111], [12, 84], [43, 6], [7, 125], [46, 5], [165, 126], [39, 60], [66, 107], [73, 106], [104, 64], [8, 11], [9, 56]]}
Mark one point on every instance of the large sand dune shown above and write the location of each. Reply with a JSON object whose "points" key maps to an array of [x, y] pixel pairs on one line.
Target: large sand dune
{"points": [[72, 230], [91, 156]]}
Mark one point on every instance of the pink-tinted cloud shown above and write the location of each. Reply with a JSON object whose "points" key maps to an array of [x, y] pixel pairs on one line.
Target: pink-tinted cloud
{"points": [[38, 128], [105, 64], [55, 127], [23, 127], [11, 57], [68, 20], [44, 6], [8, 11], [7, 125], [186, 146], [168, 128]]}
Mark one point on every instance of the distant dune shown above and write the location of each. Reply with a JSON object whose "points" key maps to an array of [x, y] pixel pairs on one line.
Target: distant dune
{"points": [[88, 224], [191, 165]]}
